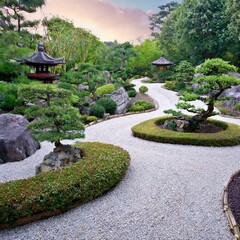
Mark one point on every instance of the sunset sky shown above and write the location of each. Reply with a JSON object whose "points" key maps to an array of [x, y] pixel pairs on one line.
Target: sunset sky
{"points": [[110, 20]]}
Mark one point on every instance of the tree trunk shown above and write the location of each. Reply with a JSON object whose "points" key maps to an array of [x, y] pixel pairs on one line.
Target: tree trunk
{"points": [[201, 117]]}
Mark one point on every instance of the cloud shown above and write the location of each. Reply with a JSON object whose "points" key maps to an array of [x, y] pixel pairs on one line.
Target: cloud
{"points": [[106, 20]]}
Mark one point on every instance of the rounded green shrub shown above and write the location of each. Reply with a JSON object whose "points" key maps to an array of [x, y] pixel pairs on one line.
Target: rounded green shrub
{"points": [[170, 85], [143, 89], [105, 89], [26, 200], [180, 86], [109, 104], [132, 93], [97, 111], [136, 108], [90, 119], [237, 106], [141, 105], [150, 130]]}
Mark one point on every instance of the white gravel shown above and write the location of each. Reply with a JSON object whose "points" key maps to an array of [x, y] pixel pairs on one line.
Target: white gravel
{"points": [[170, 191]]}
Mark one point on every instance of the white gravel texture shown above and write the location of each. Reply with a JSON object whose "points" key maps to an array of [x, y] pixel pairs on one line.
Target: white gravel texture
{"points": [[170, 192]]}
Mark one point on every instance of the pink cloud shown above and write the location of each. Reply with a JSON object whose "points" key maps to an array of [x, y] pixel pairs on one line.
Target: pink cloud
{"points": [[107, 21]]}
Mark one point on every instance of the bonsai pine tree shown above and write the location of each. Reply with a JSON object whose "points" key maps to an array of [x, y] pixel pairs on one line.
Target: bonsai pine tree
{"points": [[54, 116], [213, 81]]}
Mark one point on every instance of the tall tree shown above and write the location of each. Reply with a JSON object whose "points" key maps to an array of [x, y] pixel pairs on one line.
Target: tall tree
{"points": [[12, 13], [233, 9], [157, 20], [75, 44]]}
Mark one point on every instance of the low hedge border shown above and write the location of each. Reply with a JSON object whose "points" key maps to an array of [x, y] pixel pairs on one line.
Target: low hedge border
{"points": [[27, 200], [149, 130]]}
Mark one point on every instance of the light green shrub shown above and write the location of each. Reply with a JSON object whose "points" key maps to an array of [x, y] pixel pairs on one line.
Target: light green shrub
{"points": [[105, 89], [143, 89]]}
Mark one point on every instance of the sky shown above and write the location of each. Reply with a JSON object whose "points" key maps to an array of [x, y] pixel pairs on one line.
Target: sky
{"points": [[109, 20]]}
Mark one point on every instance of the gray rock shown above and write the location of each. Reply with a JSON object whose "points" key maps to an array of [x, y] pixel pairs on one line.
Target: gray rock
{"points": [[233, 93], [107, 76], [82, 87], [16, 142], [120, 96], [60, 157]]}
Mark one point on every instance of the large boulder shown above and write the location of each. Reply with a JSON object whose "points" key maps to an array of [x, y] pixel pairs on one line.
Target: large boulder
{"points": [[120, 96], [16, 142], [60, 157], [233, 93]]}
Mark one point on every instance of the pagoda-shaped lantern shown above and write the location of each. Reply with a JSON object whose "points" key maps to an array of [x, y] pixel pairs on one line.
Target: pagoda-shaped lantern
{"points": [[42, 61], [162, 64]]}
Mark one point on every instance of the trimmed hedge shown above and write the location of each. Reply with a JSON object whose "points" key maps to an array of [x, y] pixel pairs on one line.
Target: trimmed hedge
{"points": [[101, 168], [149, 130]]}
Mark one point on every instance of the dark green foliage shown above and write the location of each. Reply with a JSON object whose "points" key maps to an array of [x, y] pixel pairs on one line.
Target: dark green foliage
{"points": [[132, 93], [109, 105], [180, 86], [8, 96], [101, 168], [9, 71], [184, 72], [97, 111], [128, 86], [141, 105], [55, 118], [143, 89], [167, 75], [150, 130]]}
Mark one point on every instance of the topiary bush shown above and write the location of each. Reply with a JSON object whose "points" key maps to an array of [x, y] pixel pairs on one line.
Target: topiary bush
{"points": [[109, 104], [26, 200], [132, 93], [150, 130], [143, 89], [90, 119], [141, 105], [97, 111], [170, 85], [105, 89]]}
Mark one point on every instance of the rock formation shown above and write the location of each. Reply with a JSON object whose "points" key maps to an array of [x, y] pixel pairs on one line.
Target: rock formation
{"points": [[16, 142], [60, 157], [120, 96]]}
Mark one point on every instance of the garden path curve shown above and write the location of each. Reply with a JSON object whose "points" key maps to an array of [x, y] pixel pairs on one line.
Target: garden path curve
{"points": [[169, 192]]}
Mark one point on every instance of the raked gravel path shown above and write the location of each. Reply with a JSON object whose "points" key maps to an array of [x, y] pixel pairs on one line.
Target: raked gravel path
{"points": [[169, 192]]}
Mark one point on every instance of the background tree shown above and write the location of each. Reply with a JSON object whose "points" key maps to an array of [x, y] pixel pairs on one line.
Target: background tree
{"points": [[215, 80], [75, 44], [145, 53], [55, 118], [157, 20], [12, 13]]}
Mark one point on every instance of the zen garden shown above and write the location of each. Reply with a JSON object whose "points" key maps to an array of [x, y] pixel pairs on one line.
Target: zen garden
{"points": [[108, 140]]}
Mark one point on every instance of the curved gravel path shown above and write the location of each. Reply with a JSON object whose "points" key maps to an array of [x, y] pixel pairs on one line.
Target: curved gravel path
{"points": [[170, 191]]}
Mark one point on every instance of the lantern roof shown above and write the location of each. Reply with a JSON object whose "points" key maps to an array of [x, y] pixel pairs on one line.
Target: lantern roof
{"points": [[162, 62], [41, 58]]}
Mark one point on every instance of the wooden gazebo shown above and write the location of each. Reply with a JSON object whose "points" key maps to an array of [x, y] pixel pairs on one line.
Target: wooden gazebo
{"points": [[42, 61], [162, 64]]}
